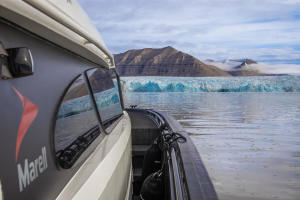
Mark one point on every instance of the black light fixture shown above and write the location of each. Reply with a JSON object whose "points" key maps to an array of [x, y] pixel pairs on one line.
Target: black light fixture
{"points": [[15, 62], [20, 62]]}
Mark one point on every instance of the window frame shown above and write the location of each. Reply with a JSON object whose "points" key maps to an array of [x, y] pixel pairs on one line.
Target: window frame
{"points": [[102, 126], [109, 122], [119, 87], [90, 148]]}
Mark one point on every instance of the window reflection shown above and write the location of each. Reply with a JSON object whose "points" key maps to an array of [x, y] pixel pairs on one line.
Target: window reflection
{"points": [[76, 124], [106, 94]]}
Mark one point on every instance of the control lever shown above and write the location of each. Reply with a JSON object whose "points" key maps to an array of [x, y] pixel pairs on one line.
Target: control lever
{"points": [[170, 138], [133, 106]]}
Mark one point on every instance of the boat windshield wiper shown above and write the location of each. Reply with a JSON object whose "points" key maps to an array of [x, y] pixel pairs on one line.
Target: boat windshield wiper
{"points": [[68, 156]]}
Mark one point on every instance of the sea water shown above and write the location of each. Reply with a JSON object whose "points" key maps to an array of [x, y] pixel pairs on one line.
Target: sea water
{"points": [[249, 141]]}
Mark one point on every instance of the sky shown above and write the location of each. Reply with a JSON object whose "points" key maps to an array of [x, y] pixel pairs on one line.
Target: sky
{"points": [[267, 31]]}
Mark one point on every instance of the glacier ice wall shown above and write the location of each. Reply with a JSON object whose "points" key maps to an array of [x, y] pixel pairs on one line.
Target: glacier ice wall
{"points": [[212, 84]]}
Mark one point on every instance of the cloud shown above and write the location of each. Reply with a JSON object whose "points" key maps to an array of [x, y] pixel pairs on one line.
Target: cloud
{"points": [[291, 69], [291, 1], [266, 68], [217, 29]]}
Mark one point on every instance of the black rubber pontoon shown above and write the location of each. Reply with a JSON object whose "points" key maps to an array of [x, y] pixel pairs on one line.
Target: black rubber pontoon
{"points": [[184, 174]]}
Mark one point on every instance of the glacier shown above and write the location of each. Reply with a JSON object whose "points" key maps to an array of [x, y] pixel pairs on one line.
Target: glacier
{"points": [[211, 84]]}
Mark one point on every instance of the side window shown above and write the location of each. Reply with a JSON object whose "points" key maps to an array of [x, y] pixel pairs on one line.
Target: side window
{"points": [[106, 94], [76, 124]]}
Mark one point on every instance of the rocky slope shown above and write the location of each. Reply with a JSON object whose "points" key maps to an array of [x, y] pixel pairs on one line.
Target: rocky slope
{"points": [[163, 62]]}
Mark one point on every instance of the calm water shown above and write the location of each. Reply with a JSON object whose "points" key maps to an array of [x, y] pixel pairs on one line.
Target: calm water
{"points": [[249, 142]]}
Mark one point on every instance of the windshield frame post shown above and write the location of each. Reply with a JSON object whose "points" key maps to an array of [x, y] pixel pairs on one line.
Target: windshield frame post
{"points": [[89, 87], [119, 87]]}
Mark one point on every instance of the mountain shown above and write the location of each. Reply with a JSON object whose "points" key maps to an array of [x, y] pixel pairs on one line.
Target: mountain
{"points": [[163, 62], [239, 63], [245, 68], [238, 67]]}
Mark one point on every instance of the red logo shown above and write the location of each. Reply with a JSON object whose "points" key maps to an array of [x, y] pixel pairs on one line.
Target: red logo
{"points": [[30, 112]]}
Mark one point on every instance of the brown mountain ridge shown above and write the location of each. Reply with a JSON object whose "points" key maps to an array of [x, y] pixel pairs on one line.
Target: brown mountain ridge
{"points": [[163, 62]]}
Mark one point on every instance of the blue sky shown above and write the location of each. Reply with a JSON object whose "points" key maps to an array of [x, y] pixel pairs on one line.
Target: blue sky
{"points": [[264, 30]]}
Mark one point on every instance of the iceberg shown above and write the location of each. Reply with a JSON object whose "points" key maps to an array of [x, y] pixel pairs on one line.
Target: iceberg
{"points": [[211, 84]]}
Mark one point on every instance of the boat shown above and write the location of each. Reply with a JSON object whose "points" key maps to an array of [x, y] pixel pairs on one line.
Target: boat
{"points": [[65, 131]]}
